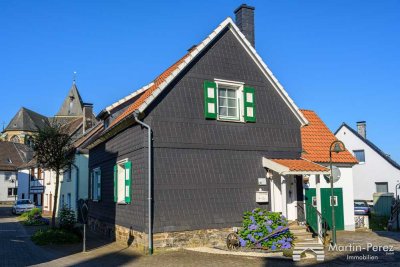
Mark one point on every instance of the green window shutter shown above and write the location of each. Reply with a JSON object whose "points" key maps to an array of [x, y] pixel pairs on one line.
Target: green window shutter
{"points": [[91, 186], [128, 181], [115, 183], [98, 185], [210, 100], [249, 104]]}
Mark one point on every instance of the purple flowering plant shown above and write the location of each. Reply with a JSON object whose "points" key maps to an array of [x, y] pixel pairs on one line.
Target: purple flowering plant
{"points": [[258, 224]]}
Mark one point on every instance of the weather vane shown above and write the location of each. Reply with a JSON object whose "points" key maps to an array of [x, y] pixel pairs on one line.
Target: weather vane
{"points": [[74, 77]]}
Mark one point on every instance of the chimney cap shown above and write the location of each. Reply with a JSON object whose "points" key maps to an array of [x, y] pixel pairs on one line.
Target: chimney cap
{"points": [[243, 6], [359, 122], [87, 104]]}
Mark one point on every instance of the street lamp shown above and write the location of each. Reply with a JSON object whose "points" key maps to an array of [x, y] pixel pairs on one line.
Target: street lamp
{"points": [[336, 146]]}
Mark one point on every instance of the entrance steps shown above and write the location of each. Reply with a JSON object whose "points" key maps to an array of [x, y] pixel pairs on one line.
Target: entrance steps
{"points": [[305, 241]]}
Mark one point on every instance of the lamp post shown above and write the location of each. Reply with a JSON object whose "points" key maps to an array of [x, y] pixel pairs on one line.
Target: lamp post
{"points": [[336, 146]]}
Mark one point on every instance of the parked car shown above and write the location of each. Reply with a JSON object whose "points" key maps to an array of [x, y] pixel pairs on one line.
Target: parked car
{"points": [[361, 207], [22, 206]]}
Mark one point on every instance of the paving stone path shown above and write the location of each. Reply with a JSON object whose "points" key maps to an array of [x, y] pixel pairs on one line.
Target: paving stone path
{"points": [[16, 249]]}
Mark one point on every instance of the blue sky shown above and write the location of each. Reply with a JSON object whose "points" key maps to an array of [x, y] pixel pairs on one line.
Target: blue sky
{"points": [[340, 58]]}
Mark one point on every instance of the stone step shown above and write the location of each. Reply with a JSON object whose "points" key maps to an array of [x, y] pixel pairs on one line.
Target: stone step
{"points": [[315, 246], [301, 240], [298, 231], [302, 233], [297, 227]]}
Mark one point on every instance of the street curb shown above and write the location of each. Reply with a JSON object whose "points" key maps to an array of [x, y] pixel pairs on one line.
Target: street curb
{"points": [[271, 255]]}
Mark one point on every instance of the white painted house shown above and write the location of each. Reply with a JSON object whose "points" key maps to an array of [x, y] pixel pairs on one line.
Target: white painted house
{"points": [[12, 155], [376, 171], [299, 187]]}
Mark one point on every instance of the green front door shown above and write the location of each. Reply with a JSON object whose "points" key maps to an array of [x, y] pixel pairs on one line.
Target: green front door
{"points": [[327, 210], [311, 213]]}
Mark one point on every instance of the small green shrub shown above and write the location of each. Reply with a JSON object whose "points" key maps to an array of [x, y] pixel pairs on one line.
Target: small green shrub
{"points": [[33, 218], [259, 226], [54, 236], [378, 223], [67, 218], [31, 214]]}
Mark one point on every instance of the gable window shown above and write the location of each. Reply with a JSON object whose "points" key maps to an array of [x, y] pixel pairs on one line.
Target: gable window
{"points": [[229, 101], [122, 182], [360, 155], [382, 187], [96, 184]]}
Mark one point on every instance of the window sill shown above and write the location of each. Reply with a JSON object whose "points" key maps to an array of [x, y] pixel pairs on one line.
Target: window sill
{"points": [[230, 120], [95, 200], [122, 203]]}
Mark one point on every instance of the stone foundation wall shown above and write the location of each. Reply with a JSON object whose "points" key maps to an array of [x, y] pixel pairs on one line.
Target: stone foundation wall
{"points": [[195, 238]]}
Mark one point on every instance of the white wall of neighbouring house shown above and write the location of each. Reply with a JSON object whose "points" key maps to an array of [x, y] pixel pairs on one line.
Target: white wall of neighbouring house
{"points": [[76, 187], [346, 183], [6, 178], [374, 169], [68, 188], [23, 184]]}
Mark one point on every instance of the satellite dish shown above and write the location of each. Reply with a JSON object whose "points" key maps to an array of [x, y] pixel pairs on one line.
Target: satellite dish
{"points": [[335, 173]]}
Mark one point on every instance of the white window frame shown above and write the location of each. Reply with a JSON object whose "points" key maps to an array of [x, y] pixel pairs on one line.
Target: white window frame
{"points": [[121, 181], [239, 86], [382, 184], [96, 192], [13, 189], [335, 199], [359, 150]]}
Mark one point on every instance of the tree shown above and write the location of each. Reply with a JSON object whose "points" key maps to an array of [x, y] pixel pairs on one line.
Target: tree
{"points": [[53, 150]]}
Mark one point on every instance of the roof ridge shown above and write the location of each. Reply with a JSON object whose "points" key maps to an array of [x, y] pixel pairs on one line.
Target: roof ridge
{"points": [[371, 145], [170, 73]]}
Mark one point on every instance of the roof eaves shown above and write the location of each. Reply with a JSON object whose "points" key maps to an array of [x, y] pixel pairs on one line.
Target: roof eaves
{"points": [[127, 98], [371, 145], [275, 81]]}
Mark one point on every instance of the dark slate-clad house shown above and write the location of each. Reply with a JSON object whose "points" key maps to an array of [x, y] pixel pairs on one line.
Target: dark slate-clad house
{"points": [[214, 115]]}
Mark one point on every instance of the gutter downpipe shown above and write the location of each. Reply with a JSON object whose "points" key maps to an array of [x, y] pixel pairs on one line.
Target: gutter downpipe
{"points": [[150, 236]]}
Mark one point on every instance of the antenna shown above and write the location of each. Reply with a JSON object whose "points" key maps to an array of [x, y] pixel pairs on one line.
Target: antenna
{"points": [[74, 77], [3, 125]]}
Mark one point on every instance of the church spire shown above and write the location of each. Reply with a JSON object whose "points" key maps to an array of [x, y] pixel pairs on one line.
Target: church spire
{"points": [[73, 104]]}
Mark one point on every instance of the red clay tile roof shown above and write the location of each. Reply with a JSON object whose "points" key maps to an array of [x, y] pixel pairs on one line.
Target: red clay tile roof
{"points": [[316, 139], [159, 80], [300, 165]]}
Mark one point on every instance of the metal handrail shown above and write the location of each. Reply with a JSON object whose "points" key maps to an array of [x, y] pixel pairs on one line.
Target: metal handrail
{"points": [[324, 223], [394, 214]]}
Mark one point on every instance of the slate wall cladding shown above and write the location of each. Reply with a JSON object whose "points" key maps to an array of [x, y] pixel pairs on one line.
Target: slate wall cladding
{"points": [[130, 144], [205, 171]]}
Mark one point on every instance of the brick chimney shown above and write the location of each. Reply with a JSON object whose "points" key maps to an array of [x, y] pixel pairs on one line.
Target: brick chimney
{"points": [[362, 128], [245, 21], [87, 116]]}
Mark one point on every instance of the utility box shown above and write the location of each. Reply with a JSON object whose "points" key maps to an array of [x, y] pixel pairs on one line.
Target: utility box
{"points": [[262, 196], [383, 203]]}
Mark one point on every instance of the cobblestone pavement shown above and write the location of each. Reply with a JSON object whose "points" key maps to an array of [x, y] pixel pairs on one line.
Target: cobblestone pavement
{"points": [[16, 249]]}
